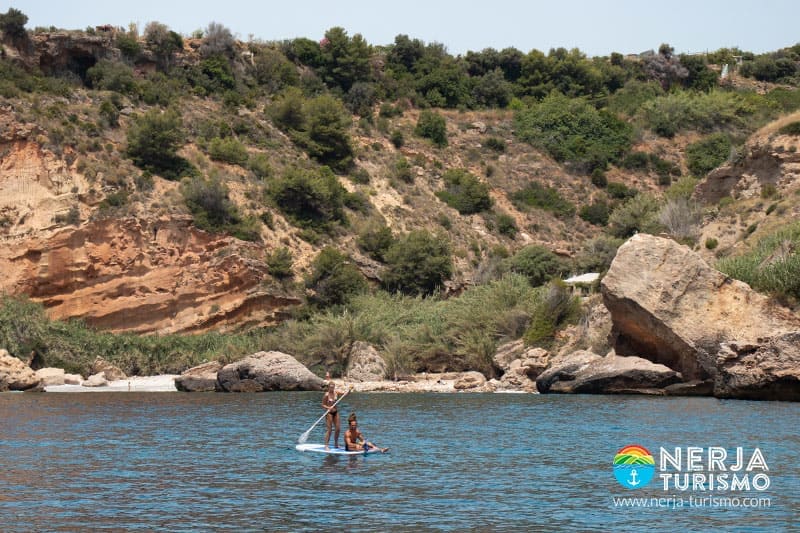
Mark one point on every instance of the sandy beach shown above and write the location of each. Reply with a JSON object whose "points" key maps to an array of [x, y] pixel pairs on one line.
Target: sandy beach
{"points": [[163, 383]]}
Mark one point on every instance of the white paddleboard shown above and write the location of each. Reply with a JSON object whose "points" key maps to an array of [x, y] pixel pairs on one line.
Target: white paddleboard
{"points": [[320, 448]]}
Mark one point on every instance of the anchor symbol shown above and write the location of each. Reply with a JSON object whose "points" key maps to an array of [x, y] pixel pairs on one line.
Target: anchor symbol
{"points": [[633, 481]]}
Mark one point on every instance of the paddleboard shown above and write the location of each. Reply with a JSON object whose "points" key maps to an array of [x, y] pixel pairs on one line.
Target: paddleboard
{"points": [[320, 448]]}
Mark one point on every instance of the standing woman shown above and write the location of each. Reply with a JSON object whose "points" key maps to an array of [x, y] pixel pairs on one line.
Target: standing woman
{"points": [[332, 418]]}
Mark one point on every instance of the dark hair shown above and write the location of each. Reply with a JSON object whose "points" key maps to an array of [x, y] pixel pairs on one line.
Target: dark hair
{"points": [[351, 417]]}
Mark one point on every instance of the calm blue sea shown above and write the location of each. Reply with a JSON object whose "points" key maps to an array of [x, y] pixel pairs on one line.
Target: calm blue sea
{"points": [[458, 462]]}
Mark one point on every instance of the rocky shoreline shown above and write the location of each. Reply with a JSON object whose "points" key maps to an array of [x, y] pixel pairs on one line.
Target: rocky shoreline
{"points": [[672, 324]]}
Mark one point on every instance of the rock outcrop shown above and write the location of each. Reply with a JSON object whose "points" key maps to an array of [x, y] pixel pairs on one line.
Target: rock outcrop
{"points": [[669, 306], [613, 374], [768, 370], [267, 371], [519, 366], [51, 376], [564, 368], [145, 276], [201, 378], [96, 380], [365, 363], [111, 372], [470, 380], [16, 375]]}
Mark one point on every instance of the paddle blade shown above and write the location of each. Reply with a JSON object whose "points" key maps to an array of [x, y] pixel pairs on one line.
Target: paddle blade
{"points": [[304, 437]]}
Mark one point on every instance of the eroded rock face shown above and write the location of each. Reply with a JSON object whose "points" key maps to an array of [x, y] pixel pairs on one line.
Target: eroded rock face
{"points": [[564, 368], [96, 380], [51, 376], [470, 380], [767, 371], [365, 363], [669, 306], [145, 276], [16, 375], [201, 378], [267, 371]]}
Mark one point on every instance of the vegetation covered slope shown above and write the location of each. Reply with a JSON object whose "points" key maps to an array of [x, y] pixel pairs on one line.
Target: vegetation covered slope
{"points": [[366, 168]]}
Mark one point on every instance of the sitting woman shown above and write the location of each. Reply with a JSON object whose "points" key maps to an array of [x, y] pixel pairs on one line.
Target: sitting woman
{"points": [[354, 440]]}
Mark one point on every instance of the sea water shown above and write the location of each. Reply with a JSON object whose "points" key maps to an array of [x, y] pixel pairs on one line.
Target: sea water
{"points": [[481, 462]]}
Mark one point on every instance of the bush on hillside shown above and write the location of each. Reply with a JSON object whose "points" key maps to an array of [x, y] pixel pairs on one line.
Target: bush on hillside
{"points": [[792, 128], [153, 142], [334, 279], [464, 192], [431, 125], [418, 263], [595, 213], [636, 215], [707, 154], [537, 195], [228, 150], [309, 198], [213, 210], [536, 263], [279, 263], [375, 240], [573, 131], [704, 112]]}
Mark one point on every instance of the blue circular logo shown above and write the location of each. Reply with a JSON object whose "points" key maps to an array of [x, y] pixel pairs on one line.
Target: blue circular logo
{"points": [[634, 466]]}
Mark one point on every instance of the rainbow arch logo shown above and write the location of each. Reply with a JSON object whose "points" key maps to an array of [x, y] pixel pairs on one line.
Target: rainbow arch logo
{"points": [[634, 466]]}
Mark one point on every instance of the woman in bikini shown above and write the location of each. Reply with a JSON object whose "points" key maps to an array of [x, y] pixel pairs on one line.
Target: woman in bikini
{"points": [[332, 418]]}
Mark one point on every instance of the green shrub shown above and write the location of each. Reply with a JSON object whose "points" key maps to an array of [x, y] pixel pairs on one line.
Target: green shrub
{"points": [[259, 165], [334, 279], [129, 45], [111, 76], [397, 138], [571, 130], [536, 195], [772, 266], [595, 213], [536, 263], [506, 225], [418, 263], [431, 125], [228, 150], [325, 135], [12, 23], [279, 263], [213, 211], [557, 308], [707, 154], [768, 190], [493, 143], [599, 178], [597, 254], [636, 215], [464, 192], [620, 191], [402, 170], [711, 243], [153, 142], [310, 198], [375, 240], [704, 112]]}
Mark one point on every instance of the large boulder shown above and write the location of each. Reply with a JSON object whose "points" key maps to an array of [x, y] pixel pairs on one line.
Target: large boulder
{"points": [[515, 356], [765, 371], [669, 306], [614, 374], [112, 373], [564, 368], [16, 375], [470, 380], [96, 380], [201, 378], [267, 371], [516, 378], [51, 376], [365, 363]]}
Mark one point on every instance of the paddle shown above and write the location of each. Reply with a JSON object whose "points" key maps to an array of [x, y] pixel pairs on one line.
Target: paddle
{"points": [[304, 437]]}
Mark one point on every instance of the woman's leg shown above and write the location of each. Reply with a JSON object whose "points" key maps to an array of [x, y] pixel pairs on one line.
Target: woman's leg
{"points": [[337, 427], [328, 421]]}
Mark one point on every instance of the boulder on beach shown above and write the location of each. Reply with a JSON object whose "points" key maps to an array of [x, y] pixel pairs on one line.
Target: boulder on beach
{"points": [[267, 371], [51, 376], [201, 378], [96, 380], [112, 373], [365, 363], [15, 374], [668, 306], [469, 380]]}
